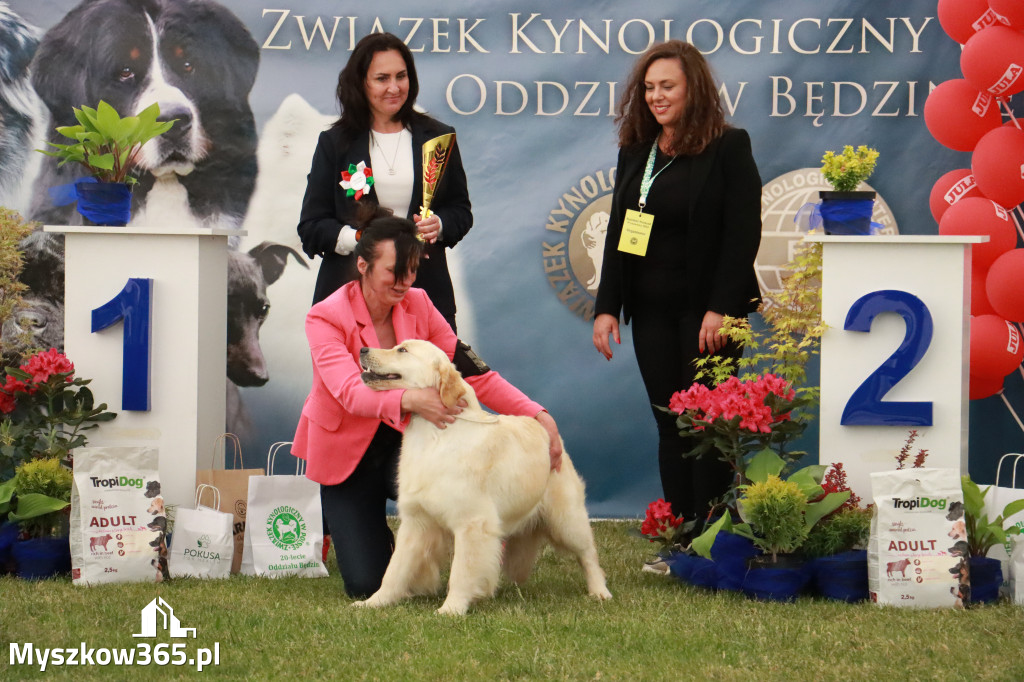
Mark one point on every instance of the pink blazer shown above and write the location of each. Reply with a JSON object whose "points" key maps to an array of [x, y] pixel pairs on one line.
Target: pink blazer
{"points": [[341, 414]]}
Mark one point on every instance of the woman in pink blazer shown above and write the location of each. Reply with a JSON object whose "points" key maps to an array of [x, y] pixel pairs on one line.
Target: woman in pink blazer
{"points": [[349, 434]]}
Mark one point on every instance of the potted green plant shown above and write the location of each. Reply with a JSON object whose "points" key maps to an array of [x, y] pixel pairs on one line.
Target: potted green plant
{"points": [[42, 495], [845, 210], [983, 534], [45, 410], [108, 146], [777, 516]]}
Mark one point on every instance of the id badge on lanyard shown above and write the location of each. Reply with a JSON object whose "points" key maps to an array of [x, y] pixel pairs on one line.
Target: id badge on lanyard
{"points": [[637, 225]]}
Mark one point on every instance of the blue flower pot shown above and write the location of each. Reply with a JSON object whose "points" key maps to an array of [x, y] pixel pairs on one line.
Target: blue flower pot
{"points": [[847, 213], [842, 576], [730, 554], [39, 558], [781, 581], [704, 574], [986, 577], [8, 536], [681, 565]]}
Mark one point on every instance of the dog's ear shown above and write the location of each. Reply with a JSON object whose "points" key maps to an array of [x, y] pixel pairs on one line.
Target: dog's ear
{"points": [[451, 383], [273, 257]]}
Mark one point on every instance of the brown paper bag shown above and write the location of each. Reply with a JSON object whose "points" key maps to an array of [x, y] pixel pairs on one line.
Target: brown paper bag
{"points": [[234, 489]]}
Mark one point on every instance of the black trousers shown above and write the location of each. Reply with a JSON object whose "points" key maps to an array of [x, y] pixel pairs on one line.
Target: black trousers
{"points": [[356, 513], [666, 346]]}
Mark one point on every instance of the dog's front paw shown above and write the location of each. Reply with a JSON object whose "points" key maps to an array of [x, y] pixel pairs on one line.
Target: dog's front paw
{"points": [[362, 603], [601, 594], [449, 609]]}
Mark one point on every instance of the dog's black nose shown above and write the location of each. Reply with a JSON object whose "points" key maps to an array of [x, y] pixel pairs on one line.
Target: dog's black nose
{"points": [[363, 351], [182, 118]]}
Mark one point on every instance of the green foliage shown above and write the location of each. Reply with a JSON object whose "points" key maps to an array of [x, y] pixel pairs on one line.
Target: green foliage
{"points": [[791, 337], [50, 419], [106, 144], [13, 229], [775, 511], [765, 466], [847, 170], [42, 488], [846, 529], [983, 533]]}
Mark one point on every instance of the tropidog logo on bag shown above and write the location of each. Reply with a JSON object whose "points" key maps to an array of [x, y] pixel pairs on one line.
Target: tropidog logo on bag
{"points": [[286, 528]]}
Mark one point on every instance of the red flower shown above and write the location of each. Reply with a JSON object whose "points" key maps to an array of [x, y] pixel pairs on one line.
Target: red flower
{"points": [[7, 403], [45, 364], [835, 482], [660, 522]]}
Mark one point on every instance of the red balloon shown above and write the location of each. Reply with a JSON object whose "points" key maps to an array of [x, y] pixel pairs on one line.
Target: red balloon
{"points": [[977, 215], [950, 188], [957, 114], [993, 60], [1004, 285], [979, 294], [983, 387], [997, 165], [996, 348], [1008, 12], [961, 19]]}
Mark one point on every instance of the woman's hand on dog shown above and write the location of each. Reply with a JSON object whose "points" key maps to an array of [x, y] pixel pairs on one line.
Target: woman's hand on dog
{"points": [[426, 402], [605, 324], [555, 445]]}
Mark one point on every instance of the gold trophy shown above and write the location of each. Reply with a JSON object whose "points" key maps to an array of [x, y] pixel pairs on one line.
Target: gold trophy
{"points": [[435, 158]]}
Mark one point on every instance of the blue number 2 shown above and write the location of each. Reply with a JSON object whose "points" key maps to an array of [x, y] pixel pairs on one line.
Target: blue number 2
{"points": [[865, 406], [134, 306]]}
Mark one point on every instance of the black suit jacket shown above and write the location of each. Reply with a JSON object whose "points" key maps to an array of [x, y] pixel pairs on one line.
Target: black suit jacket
{"points": [[723, 237], [325, 209]]}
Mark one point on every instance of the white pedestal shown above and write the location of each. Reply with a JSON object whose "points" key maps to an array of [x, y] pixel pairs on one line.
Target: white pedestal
{"points": [[930, 276], [188, 338]]}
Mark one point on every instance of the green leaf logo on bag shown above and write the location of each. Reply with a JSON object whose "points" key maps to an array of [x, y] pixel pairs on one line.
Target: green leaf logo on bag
{"points": [[203, 541], [286, 528]]}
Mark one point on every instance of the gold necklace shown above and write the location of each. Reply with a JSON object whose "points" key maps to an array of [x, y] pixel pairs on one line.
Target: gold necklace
{"points": [[394, 157]]}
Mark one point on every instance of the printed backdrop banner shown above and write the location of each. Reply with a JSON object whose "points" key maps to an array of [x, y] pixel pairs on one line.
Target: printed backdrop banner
{"points": [[531, 88]]}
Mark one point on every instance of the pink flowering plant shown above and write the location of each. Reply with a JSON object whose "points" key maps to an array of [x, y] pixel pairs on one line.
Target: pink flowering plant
{"points": [[45, 410], [740, 418]]}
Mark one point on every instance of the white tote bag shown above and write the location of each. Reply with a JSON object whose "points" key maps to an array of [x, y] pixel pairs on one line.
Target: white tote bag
{"points": [[1005, 491], [284, 527], [202, 544]]}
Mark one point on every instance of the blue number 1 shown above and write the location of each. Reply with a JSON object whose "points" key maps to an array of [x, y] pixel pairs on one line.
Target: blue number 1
{"points": [[134, 306], [865, 406]]}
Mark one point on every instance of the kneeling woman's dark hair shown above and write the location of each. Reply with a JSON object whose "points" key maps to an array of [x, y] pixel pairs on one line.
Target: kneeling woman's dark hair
{"points": [[401, 231]]}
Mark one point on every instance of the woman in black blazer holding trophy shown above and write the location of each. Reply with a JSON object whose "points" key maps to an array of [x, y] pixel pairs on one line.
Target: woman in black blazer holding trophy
{"points": [[683, 235], [374, 153]]}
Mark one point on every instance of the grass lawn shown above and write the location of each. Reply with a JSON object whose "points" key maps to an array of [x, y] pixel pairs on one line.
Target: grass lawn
{"points": [[654, 629]]}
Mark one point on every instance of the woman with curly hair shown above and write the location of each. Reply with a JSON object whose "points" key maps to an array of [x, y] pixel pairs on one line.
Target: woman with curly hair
{"points": [[684, 231]]}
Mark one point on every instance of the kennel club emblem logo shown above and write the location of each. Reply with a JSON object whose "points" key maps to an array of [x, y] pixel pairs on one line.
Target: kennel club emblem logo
{"points": [[573, 245], [286, 528]]}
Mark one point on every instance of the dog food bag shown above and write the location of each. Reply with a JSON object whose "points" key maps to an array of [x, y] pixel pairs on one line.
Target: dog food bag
{"points": [[118, 520], [917, 552]]}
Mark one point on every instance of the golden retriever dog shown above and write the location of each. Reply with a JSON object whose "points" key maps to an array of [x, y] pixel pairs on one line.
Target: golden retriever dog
{"points": [[484, 480]]}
